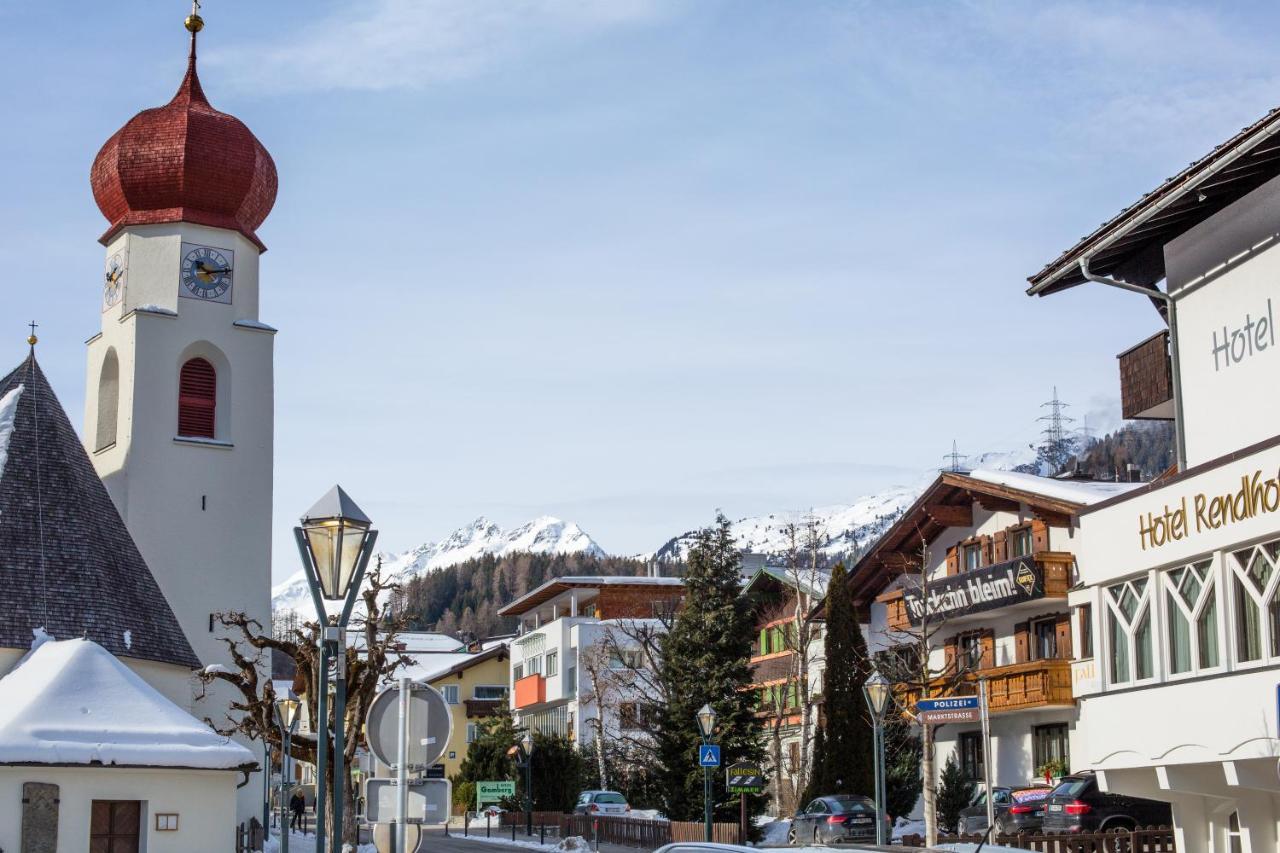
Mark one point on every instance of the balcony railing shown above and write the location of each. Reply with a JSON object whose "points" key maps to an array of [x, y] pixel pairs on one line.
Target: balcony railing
{"points": [[1055, 565], [1146, 380], [1016, 687], [531, 690]]}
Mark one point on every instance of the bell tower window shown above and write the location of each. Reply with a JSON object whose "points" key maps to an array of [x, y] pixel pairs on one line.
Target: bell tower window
{"points": [[108, 402], [197, 399]]}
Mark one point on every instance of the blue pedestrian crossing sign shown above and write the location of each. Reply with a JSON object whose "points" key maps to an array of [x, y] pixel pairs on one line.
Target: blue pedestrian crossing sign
{"points": [[708, 755]]}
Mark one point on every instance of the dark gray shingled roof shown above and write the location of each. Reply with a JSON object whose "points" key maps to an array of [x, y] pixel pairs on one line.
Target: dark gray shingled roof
{"points": [[92, 581]]}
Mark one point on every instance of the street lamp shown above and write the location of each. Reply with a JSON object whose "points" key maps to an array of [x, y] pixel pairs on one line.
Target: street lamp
{"points": [[876, 690], [335, 540], [286, 712], [526, 743], [706, 726]]}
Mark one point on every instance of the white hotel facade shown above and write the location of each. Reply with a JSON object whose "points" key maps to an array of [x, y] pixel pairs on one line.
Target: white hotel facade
{"points": [[1177, 671]]}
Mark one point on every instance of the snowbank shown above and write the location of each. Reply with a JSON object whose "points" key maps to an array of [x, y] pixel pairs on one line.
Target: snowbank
{"points": [[774, 832], [72, 702]]}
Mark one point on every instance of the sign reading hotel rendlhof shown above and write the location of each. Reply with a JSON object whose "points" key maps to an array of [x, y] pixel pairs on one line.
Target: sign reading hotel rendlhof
{"points": [[975, 591]]}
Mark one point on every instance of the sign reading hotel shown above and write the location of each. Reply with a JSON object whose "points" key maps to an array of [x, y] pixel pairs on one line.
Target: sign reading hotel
{"points": [[982, 589], [1200, 512]]}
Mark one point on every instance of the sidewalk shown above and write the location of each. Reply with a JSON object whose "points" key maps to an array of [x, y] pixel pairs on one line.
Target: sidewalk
{"points": [[502, 836]]}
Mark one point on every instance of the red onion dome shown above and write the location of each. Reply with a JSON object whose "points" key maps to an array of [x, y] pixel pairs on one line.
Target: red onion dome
{"points": [[185, 162]]}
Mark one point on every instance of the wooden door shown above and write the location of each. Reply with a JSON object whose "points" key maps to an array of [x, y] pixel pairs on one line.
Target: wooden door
{"points": [[115, 826]]}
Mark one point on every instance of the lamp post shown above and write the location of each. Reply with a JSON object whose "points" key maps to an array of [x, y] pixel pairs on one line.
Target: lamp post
{"points": [[527, 744], [876, 691], [706, 725], [335, 541], [287, 722]]}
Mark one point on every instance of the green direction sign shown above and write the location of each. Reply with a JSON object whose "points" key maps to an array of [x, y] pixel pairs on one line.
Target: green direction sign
{"points": [[493, 792], [744, 778]]}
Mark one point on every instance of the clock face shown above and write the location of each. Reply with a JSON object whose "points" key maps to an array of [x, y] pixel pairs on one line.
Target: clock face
{"points": [[206, 273], [113, 286]]}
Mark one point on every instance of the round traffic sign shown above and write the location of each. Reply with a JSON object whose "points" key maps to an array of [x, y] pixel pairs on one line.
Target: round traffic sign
{"points": [[430, 725]]}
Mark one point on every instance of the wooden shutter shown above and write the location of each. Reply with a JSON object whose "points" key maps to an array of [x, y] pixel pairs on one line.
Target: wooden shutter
{"points": [[1062, 627], [988, 551], [988, 641], [1039, 536], [197, 399], [953, 560], [1022, 642], [949, 655], [1000, 546]]}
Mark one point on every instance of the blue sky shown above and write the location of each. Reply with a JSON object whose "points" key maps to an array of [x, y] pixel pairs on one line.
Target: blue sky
{"points": [[630, 261]]}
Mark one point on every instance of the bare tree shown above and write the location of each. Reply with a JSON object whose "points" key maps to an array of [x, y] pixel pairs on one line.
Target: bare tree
{"points": [[369, 665], [910, 666]]}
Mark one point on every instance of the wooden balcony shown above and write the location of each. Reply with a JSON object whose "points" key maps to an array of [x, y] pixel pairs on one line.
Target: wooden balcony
{"points": [[1055, 566], [1146, 380], [483, 707], [1016, 687], [531, 690]]}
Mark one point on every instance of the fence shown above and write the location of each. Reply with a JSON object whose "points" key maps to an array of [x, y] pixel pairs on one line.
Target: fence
{"points": [[623, 831], [249, 836], [1149, 840]]}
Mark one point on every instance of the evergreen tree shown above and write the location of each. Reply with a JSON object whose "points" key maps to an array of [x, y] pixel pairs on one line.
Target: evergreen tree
{"points": [[487, 756], [849, 747], [902, 766], [818, 781], [955, 793], [556, 774], [705, 660]]}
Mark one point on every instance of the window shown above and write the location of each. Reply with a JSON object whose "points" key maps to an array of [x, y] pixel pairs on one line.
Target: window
{"points": [[1192, 617], [108, 401], [517, 672], [534, 665], [570, 687], [1044, 639], [450, 693], [626, 659], [969, 651], [629, 716], [1050, 743], [1129, 632], [115, 826], [1086, 631], [972, 556], [1020, 542], [472, 731], [1235, 838], [970, 747], [1257, 616], [489, 691], [197, 398]]}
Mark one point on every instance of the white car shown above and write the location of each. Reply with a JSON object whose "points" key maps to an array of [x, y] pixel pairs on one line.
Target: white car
{"points": [[601, 803]]}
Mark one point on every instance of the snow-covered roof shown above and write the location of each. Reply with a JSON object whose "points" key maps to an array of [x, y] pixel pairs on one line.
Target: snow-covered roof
{"points": [[424, 641], [550, 589], [427, 666], [73, 702], [8, 411], [1083, 492]]}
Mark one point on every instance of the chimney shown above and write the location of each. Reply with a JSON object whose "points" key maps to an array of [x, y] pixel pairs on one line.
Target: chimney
{"points": [[1134, 473], [655, 571]]}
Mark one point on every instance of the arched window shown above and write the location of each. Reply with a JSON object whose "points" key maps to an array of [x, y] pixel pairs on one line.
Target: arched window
{"points": [[197, 398], [108, 402]]}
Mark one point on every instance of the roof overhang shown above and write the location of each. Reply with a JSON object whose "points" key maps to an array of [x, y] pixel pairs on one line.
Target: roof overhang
{"points": [[947, 503], [1130, 246]]}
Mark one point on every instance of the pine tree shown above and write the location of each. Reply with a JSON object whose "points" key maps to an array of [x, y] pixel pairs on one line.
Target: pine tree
{"points": [[955, 793], [818, 781], [849, 754], [902, 766], [705, 660], [487, 756]]}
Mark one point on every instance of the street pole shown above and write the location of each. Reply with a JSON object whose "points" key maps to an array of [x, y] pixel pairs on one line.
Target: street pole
{"points": [[986, 753], [284, 763], [878, 749], [706, 796], [528, 794], [402, 770], [338, 641], [322, 745], [266, 788]]}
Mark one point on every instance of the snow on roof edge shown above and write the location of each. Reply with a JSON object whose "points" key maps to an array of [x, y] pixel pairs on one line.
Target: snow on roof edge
{"points": [[8, 411], [1083, 492]]}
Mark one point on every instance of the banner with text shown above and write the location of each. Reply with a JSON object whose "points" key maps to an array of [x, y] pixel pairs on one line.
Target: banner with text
{"points": [[975, 591]]}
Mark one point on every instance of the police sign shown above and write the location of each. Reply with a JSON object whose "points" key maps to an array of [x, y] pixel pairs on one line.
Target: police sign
{"points": [[956, 709]]}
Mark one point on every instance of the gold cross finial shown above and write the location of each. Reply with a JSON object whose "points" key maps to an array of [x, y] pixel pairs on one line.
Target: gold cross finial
{"points": [[194, 22], [32, 339]]}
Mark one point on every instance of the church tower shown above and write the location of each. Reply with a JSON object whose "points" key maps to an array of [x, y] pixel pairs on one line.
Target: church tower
{"points": [[179, 402]]}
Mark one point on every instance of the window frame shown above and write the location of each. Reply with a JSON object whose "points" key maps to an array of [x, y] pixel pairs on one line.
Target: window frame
{"points": [[1129, 627], [971, 742], [552, 665], [1171, 598], [1015, 534], [1043, 733], [1085, 619], [1033, 638], [475, 692], [448, 690], [967, 548], [1269, 598]]}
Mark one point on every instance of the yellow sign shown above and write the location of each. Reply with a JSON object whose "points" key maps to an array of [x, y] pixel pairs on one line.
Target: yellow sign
{"points": [[1255, 497]]}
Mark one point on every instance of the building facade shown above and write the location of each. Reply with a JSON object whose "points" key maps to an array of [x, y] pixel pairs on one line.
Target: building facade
{"points": [[474, 688], [1177, 678], [979, 569], [580, 648]]}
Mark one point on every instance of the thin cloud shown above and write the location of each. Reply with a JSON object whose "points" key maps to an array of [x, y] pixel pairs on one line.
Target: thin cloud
{"points": [[409, 44]]}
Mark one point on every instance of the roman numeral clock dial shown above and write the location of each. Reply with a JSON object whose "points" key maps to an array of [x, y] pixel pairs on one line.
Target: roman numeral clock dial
{"points": [[113, 286], [206, 273]]}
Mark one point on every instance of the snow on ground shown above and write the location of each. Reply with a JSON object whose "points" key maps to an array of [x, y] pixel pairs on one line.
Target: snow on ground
{"points": [[775, 832], [8, 411], [300, 842], [73, 702], [904, 827]]}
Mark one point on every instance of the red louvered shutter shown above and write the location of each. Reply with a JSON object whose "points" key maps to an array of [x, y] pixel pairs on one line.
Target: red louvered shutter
{"points": [[197, 396]]}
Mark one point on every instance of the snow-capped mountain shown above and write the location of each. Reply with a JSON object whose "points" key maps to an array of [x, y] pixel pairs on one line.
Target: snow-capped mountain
{"points": [[545, 535], [844, 528]]}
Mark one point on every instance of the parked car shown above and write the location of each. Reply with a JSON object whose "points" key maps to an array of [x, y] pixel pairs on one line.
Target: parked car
{"points": [[1018, 809], [1077, 805], [601, 803], [829, 820]]}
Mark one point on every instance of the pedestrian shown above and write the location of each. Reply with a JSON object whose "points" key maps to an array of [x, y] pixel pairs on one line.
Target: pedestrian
{"points": [[297, 805]]}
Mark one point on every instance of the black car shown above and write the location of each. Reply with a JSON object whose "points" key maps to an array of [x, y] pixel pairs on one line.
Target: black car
{"points": [[1077, 805], [1017, 810], [829, 820]]}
